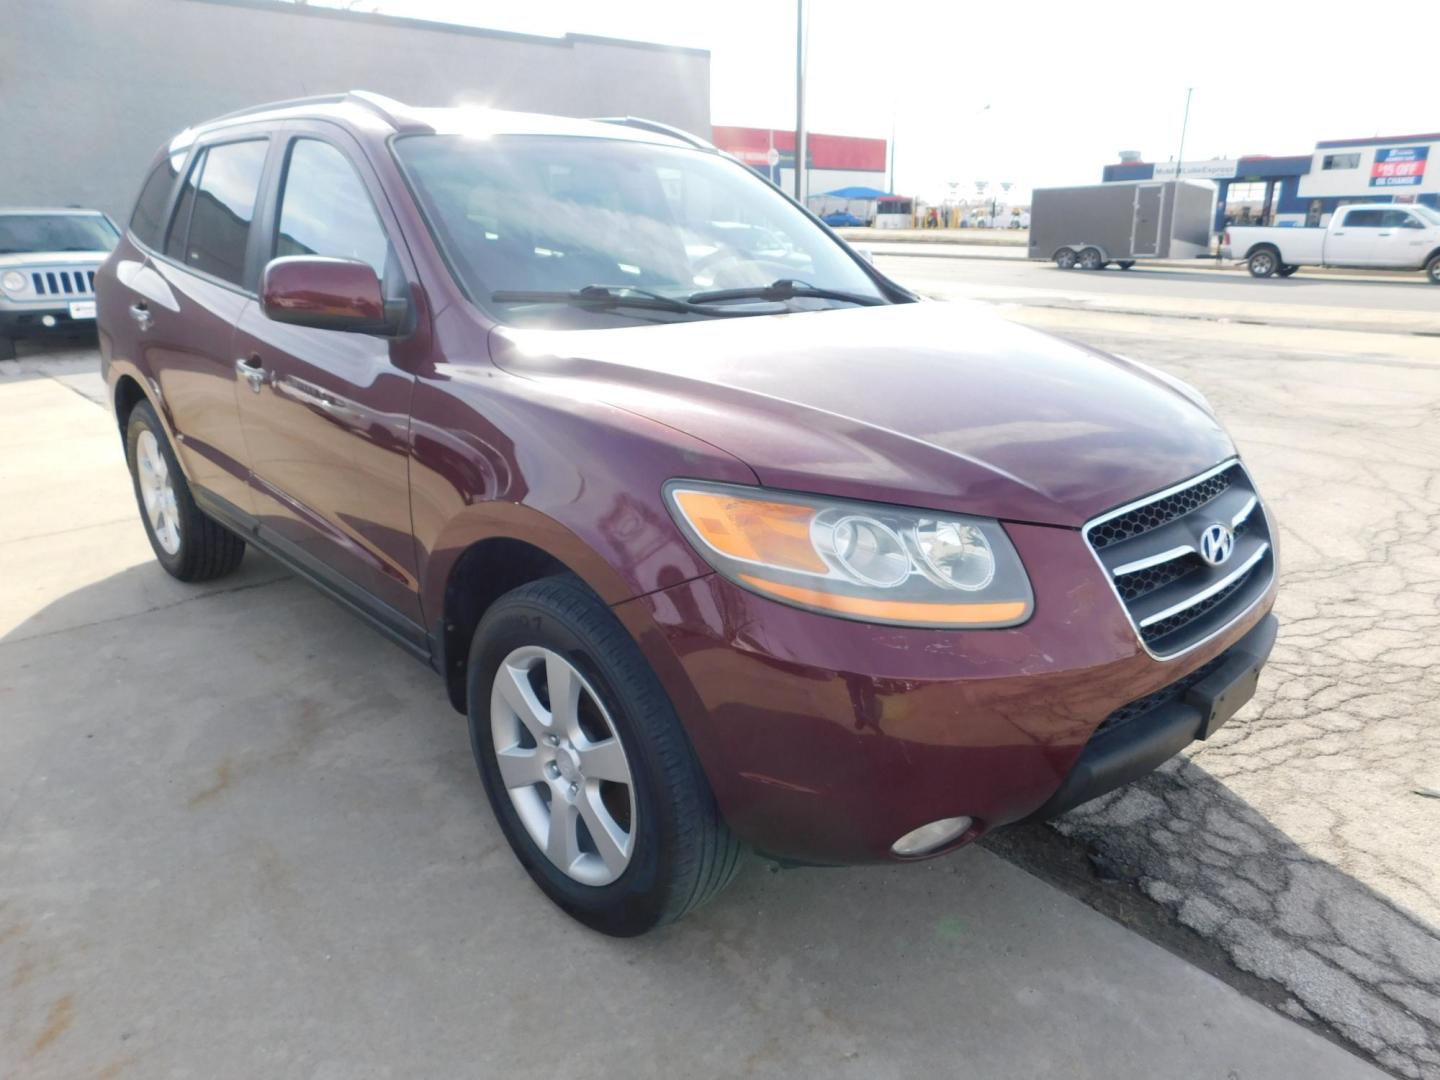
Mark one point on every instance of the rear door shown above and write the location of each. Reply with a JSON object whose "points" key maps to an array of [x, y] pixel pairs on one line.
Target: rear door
{"points": [[1149, 204], [327, 415], [1355, 241], [185, 302]]}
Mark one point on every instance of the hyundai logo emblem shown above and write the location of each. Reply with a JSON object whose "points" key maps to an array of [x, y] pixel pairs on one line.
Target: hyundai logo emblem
{"points": [[1217, 543]]}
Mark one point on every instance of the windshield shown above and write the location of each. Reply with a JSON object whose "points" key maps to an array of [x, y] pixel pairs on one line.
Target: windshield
{"points": [[23, 233], [554, 214]]}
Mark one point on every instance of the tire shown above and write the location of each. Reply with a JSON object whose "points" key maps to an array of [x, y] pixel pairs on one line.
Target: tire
{"points": [[1264, 262], [1286, 270], [189, 545], [1432, 269], [1065, 259], [671, 850], [1125, 264], [1092, 259]]}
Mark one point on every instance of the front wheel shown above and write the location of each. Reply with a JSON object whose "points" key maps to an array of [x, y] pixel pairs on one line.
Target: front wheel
{"points": [[587, 768], [189, 545], [1092, 259], [1432, 269], [1264, 263]]}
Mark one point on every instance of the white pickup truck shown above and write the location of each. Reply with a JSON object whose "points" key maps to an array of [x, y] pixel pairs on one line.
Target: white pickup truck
{"points": [[1372, 235]]}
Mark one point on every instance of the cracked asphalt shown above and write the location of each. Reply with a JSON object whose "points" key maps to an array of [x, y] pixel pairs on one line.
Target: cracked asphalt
{"points": [[1299, 839]]}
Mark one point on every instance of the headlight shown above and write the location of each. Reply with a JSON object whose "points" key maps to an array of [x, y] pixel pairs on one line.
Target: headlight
{"points": [[12, 282], [864, 561]]}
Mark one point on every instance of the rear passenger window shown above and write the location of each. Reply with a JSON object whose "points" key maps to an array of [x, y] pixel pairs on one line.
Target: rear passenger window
{"points": [[180, 223], [1364, 219], [325, 209], [224, 206], [148, 220]]}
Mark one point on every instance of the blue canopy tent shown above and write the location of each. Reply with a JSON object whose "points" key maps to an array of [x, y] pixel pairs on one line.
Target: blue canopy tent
{"points": [[847, 205]]}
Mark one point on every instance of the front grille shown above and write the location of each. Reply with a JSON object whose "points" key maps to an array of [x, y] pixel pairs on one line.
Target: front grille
{"points": [[1151, 550], [1128, 714], [63, 282]]}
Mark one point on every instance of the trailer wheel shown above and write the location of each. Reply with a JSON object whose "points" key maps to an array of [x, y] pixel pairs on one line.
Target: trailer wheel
{"points": [[1091, 259], [1264, 262], [1065, 259], [1125, 264], [1286, 270], [1432, 269]]}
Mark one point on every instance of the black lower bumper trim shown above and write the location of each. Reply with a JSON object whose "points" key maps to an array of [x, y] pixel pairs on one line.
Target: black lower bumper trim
{"points": [[1118, 756]]}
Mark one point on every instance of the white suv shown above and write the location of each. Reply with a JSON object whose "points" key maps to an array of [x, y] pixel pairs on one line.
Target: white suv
{"points": [[48, 260]]}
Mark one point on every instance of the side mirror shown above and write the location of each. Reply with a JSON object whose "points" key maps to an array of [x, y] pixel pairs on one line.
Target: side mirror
{"points": [[328, 294]]}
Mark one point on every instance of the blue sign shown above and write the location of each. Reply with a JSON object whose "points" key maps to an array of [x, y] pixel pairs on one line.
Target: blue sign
{"points": [[1399, 166]]}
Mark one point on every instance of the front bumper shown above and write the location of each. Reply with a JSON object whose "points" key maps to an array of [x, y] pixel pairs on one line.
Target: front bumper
{"points": [[825, 740], [29, 321]]}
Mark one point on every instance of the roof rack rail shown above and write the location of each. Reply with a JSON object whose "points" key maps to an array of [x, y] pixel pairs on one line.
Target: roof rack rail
{"points": [[640, 123], [381, 106]]}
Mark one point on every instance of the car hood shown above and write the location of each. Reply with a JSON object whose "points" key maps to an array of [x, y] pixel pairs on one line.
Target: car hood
{"points": [[52, 258], [932, 404]]}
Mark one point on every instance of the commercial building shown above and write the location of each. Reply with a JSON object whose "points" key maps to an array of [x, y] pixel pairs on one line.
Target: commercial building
{"points": [[1306, 189], [92, 89], [831, 161]]}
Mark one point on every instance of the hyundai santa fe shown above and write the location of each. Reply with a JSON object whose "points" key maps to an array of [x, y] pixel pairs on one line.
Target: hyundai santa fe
{"points": [[719, 538]]}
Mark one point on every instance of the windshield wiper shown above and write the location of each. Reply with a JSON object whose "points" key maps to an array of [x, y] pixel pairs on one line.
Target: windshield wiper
{"points": [[784, 289], [605, 296]]}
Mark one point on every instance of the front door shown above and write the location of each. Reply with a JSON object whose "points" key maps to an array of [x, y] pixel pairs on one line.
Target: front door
{"points": [[326, 413], [1149, 202], [1403, 240]]}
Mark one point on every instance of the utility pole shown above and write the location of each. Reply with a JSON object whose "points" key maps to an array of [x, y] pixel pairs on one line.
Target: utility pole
{"points": [[799, 100], [890, 183], [1180, 157]]}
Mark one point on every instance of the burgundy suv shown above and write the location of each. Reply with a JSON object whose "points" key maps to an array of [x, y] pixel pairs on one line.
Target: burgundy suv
{"points": [[716, 535]]}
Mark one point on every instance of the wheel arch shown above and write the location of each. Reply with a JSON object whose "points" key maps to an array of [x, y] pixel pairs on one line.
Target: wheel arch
{"points": [[1264, 245], [127, 394]]}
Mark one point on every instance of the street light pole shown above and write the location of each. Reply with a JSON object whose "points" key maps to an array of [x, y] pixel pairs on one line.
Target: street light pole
{"points": [[799, 100], [1180, 157]]}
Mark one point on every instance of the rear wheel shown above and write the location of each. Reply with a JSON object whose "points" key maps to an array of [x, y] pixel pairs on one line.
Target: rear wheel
{"points": [[1065, 259], [188, 544], [1264, 263], [1432, 269], [587, 768], [1092, 259]]}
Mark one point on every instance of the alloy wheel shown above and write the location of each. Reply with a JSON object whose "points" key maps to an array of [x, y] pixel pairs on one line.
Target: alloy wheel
{"points": [[563, 765], [157, 490]]}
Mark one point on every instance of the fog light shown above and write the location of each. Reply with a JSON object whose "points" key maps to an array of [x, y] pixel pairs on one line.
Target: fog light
{"points": [[47, 321], [929, 837]]}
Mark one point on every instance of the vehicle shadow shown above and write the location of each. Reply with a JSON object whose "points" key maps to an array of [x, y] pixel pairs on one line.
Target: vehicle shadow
{"points": [[252, 773]]}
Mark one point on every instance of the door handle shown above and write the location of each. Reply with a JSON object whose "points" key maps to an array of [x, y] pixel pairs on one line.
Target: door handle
{"points": [[1384, 234], [141, 314], [252, 370]]}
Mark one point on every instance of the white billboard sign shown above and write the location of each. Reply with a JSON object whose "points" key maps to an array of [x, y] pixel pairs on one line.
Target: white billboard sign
{"points": [[1216, 169]]}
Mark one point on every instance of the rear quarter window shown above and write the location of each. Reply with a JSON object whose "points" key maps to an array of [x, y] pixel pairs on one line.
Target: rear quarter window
{"points": [[147, 221]]}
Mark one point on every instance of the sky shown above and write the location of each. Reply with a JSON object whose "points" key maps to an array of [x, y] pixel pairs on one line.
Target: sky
{"points": [[1036, 94]]}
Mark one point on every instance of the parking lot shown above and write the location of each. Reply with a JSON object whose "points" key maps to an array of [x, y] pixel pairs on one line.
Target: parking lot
{"points": [[242, 835]]}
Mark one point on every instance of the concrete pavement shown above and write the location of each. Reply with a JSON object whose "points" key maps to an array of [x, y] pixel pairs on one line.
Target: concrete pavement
{"points": [[241, 835], [1350, 303]]}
